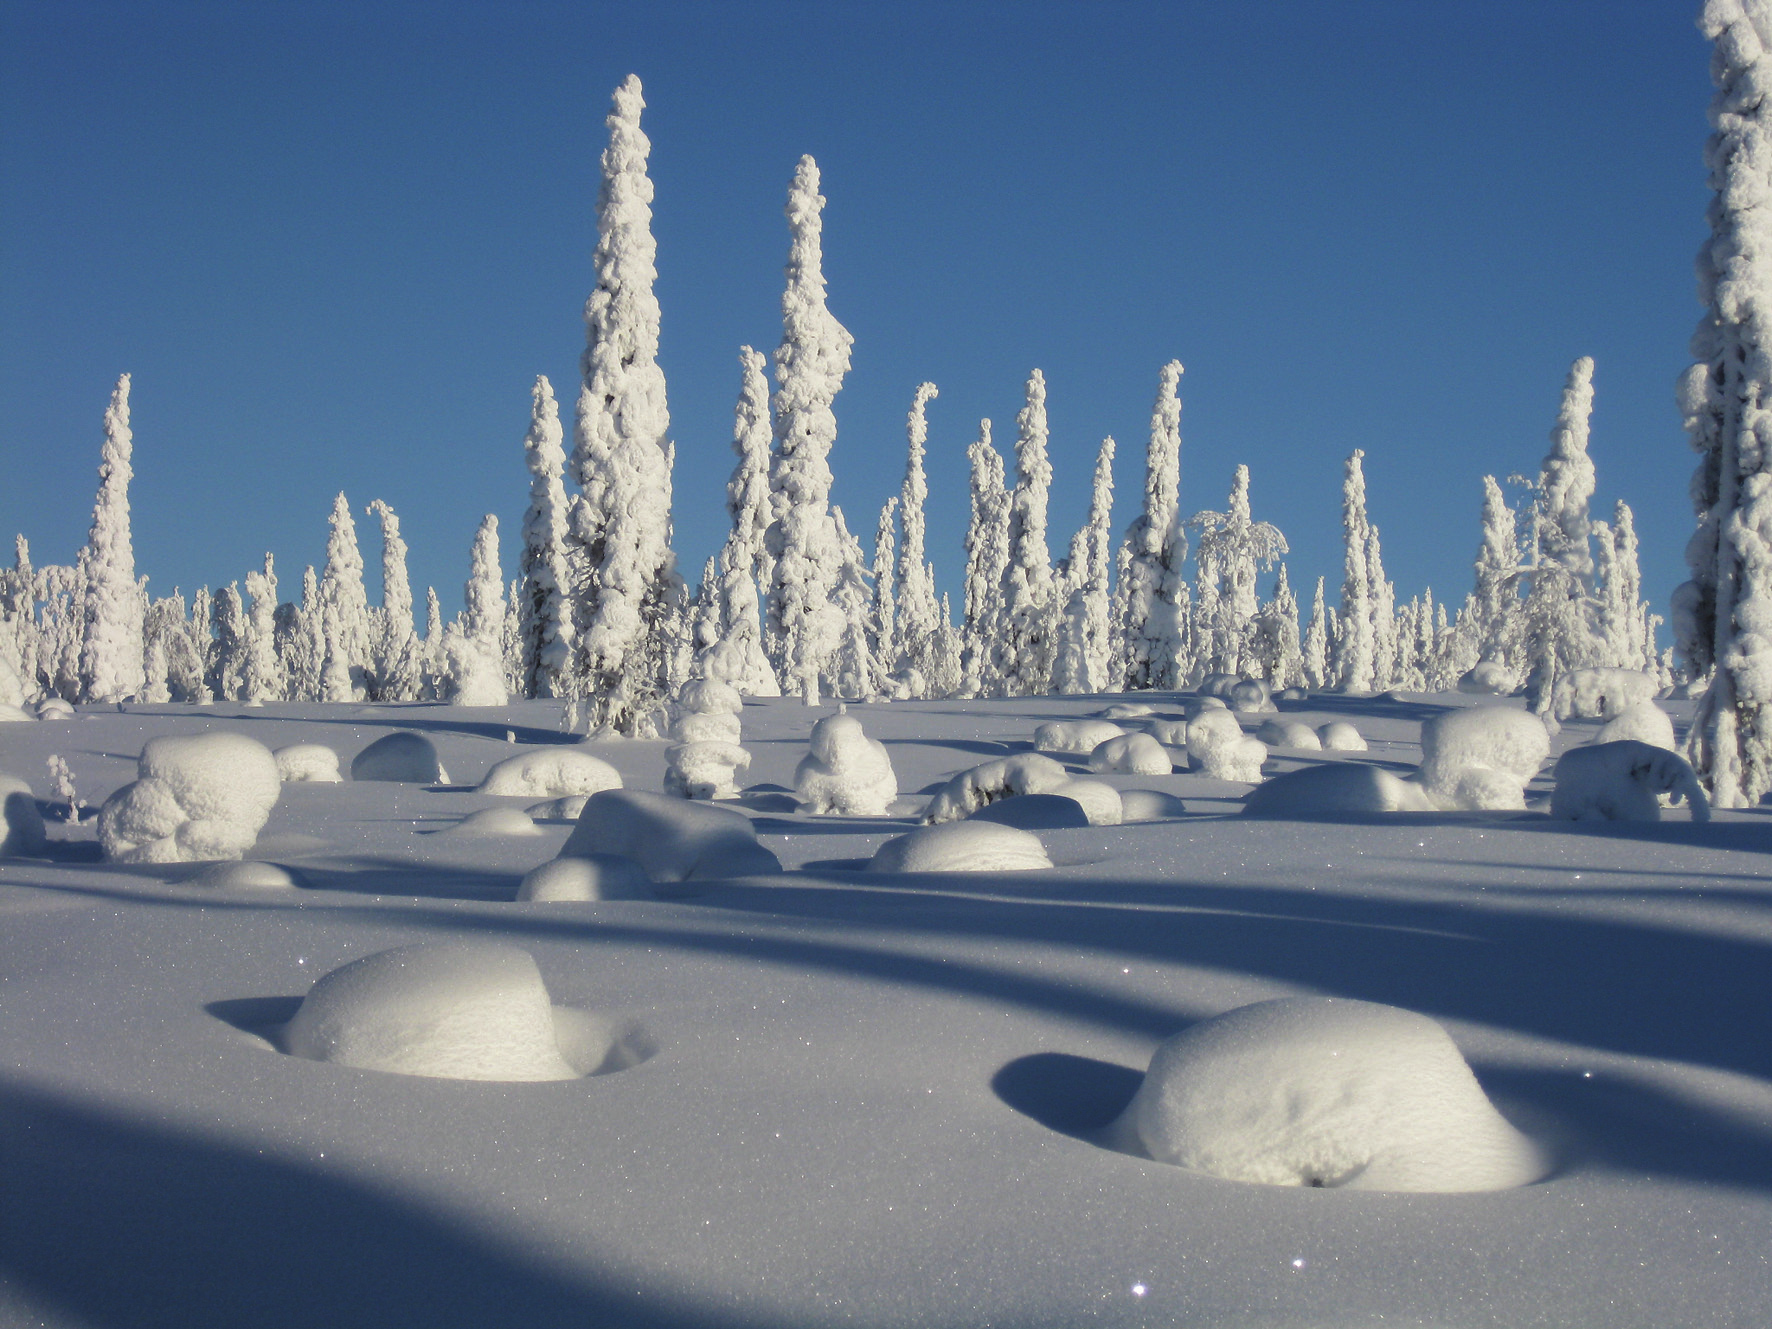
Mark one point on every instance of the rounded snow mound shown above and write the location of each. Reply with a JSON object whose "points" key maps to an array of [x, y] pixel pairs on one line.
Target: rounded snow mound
{"points": [[1646, 723], [199, 796], [672, 839], [1218, 747], [1170, 733], [1623, 781], [1341, 736], [246, 875], [1209, 731], [10, 714], [551, 772], [1489, 679], [1250, 695], [21, 821], [1149, 805], [962, 846], [706, 727], [710, 696], [1099, 800], [705, 769], [558, 809], [1131, 754], [1600, 694], [1289, 734], [54, 708], [845, 771], [1482, 757], [1199, 705], [1325, 1091], [1079, 737], [1218, 685], [307, 763], [460, 1011], [1335, 787], [1125, 710], [1006, 777], [595, 877], [1034, 812], [491, 823], [402, 757]]}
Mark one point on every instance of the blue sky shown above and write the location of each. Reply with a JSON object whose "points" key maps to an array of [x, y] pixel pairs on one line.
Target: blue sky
{"points": [[334, 244]]}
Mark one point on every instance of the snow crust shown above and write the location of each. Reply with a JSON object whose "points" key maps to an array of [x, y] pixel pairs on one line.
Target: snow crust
{"points": [[403, 757], [307, 763], [1646, 723], [21, 822], [845, 772], [593, 877], [1080, 737], [1482, 756], [550, 772], [1335, 787], [962, 846], [1622, 781], [198, 796], [670, 838], [1131, 754]]}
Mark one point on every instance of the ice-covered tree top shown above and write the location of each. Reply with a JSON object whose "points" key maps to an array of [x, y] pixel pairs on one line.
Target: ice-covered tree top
{"points": [[1162, 472], [747, 492], [1566, 482], [813, 356]]}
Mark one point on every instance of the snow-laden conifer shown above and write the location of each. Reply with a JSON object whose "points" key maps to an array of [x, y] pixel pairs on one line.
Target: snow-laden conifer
{"points": [[1151, 627], [918, 613], [1354, 635], [473, 643], [1384, 613], [1085, 645], [885, 607], [1025, 642], [344, 608], [947, 672], [1233, 548], [111, 646], [394, 663], [987, 553], [1273, 642], [855, 671], [744, 559], [545, 610], [1315, 648], [804, 623], [227, 661], [1626, 624], [263, 675], [436, 665], [1559, 604], [1494, 606]]}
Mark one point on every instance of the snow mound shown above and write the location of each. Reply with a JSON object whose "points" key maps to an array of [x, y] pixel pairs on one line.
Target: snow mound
{"points": [[1250, 696], [1131, 754], [1646, 723], [490, 823], [845, 771], [706, 769], [246, 875], [456, 1011], [1100, 801], [1482, 757], [558, 809], [1034, 812], [402, 757], [706, 727], [962, 846], [1209, 731], [307, 763], [594, 877], [1488, 679], [551, 772], [1218, 685], [1341, 736], [1335, 787], [709, 696], [1149, 805], [1170, 733], [1324, 1091], [1289, 734], [1292, 694], [1600, 694], [21, 821], [670, 838], [1621, 781], [1198, 706], [1006, 777], [1125, 710], [1240, 761], [1218, 747], [1080, 737], [54, 708], [10, 714], [199, 796]]}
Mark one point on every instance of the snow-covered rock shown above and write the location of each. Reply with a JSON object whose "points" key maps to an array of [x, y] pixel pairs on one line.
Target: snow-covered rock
{"points": [[1250, 697], [1131, 754], [672, 839], [1034, 812], [21, 821], [460, 1011], [550, 772], [1621, 781], [1600, 694], [1488, 679], [1334, 787], [246, 875], [1324, 1091], [307, 763], [1289, 734], [1646, 723], [706, 769], [962, 846], [491, 823], [1341, 736], [1080, 737], [402, 757], [199, 796], [844, 771], [1482, 757], [593, 877]]}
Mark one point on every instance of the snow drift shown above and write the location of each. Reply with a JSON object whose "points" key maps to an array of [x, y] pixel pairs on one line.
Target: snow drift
{"points": [[21, 822], [199, 796], [593, 877], [1336, 787], [1600, 694], [1131, 754]]}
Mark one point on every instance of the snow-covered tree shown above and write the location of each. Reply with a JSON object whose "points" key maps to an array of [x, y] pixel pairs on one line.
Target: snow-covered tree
{"points": [[545, 612], [1384, 614], [1354, 645], [1233, 548], [1272, 635], [344, 608], [436, 664], [918, 614], [1626, 624], [1558, 613], [744, 558], [1315, 648], [621, 456], [947, 669], [111, 646], [394, 664], [473, 643], [885, 607], [227, 661], [263, 678], [987, 553], [1085, 646], [1025, 643], [1494, 606], [804, 623], [855, 672], [1151, 624]]}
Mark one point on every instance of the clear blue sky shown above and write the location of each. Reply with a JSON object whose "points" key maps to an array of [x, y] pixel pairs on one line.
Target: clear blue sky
{"points": [[334, 244]]}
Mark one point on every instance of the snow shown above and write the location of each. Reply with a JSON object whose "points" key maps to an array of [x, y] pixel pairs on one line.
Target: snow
{"points": [[671, 839], [1250, 696], [1482, 757], [1034, 812], [1600, 694], [1289, 734], [705, 769], [1620, 781], [1321, 1091], [1075, 736], [1209, 732], [403, 757], [21, 824], [1021, 774], [492, 822], [1131, 754], [198, 796], [550, 772], [1333, 788], [558, 809], [592, 877], [1488, 677], [1647, 723], [54, 708], [245, 875], [307, 763], [962, 846], [10, 714], [1341, 736], [844, 771]]}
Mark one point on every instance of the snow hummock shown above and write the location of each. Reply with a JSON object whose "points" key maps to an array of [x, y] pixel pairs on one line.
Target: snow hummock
{"points": [[402, 757], [1325, 1091], [593, 877], [1334, 787], [1250, 696], [1482, 756], [54, 708], [1218, 747], [1034, 812], [962, 846], [1023, 773], [672, 839], [1488, 678], [1131, 754], [1600, 694], [307, 763], [550, 772], [1289, 734], [706, 760], [1647, 723], [459, 1011], [10, 714], [1620, 781], [1080, 737], [845, 771], [21, 821], [245, 875], [199, 796], [558, 809], [490, 823], [1341, 736]]}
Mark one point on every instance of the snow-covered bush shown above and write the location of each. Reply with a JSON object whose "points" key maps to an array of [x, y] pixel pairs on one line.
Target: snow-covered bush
{"points": [[1482, 757], [1198, 705], [1289, 734], [594, 877], [550, 772], [706, 760], [1324, 1091], [1239, 761], [671, 839], [1250, 696], [1341, 736], [1488, 678], [1209, 732], [1010, 777], [1621, 781], [307, 763], [1130, 754], [1334, 787], [1035, 812], [1600, 694], [1079, 737], [1125, 710], [1646, 723], [459, 1011], [1217, 685], [1170, 733], [198, 796], [844, 771], [402, 757], [962, 846], [21, 822]]}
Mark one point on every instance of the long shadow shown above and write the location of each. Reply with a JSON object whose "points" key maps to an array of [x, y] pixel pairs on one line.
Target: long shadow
{"points": [[1072, 1095], [117, 1222]]}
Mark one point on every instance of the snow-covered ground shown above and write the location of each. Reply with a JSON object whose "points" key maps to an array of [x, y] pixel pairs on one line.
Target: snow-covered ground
{"points": [[859, 1097]]}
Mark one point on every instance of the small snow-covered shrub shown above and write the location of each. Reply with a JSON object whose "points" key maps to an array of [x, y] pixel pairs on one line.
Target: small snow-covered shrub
{"points": [[1600, 694], [1334, 787], [1646, 723], [550, 772], [489, 823], [21, 821], [1324, 1091], [199, 796], [1292, 694], [1006, 777], [1217, 685], [844, 771], [1170, 733], [402, 757], [460, 1011], [962, 846], [1482, 757], [704, 770], [1240, 761], [1250, 696], [1209, 732], [1080, 737], [1034, 812], [1289, 734], [1488, 679], [1621, 781], [246, 875], [1341, 736], [307, 763], [1131, 754], [672, 839], [594, 877]]}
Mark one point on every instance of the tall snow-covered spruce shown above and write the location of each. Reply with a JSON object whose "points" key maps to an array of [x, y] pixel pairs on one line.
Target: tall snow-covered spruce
{"points": [[1354, 646], [1025, 643], [546, 624], [805, 625], [987, 554], [111, 641], [395, 672], [625, 599], [1152, 622], [344, 610], [918, 612], [1559, 606], [1084, 649], [737, 655]]}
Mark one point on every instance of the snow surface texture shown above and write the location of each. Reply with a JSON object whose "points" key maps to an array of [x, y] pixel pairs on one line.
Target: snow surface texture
{"points": [[549, 772], [1080, 737], [1289, 734], [1332, 788], [1131, 754], [400, 758], [457, 1011], [1341, 736], [307, 763], [1600, 694], [845, 771], [1323, 1091], [1647, 723], [962, 846], [671, 839], [1482, 757], [1622, 781], [21, 823], [199, 797], [593, 877]]}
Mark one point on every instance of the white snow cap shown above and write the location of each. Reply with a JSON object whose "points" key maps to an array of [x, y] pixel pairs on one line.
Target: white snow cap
{"points": [[1324, 1091], [845, 771], [1646, 723], [1341, 736], [1075, 736], [1482, 757], [550, 772], [1131, 754], [1620, 781], [1332, 788], [21, 823], [307, 763], [199, 796], [595, 877], [962, 846], [671, 839], [402, 757]]}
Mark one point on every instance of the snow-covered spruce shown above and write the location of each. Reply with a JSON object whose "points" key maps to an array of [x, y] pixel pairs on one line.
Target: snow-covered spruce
{"points": [[1023, 773], [111, 643], [473, 644], [307, 763], [1083, 657], [394, 673], [1025, 643], [546, 625], [1647, 723], [550, 772], [962, 846], [1354, 665], [737, 656], [1493, 610], [1335, 788], [1600, 694], [343, 610], [987, 555], [672, 839], [914, 592], [1482, 757], [266, 678], [196, 797], [1558, 615], [844, 771], [1232, 548], [1623, 781], [402, 757]]}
